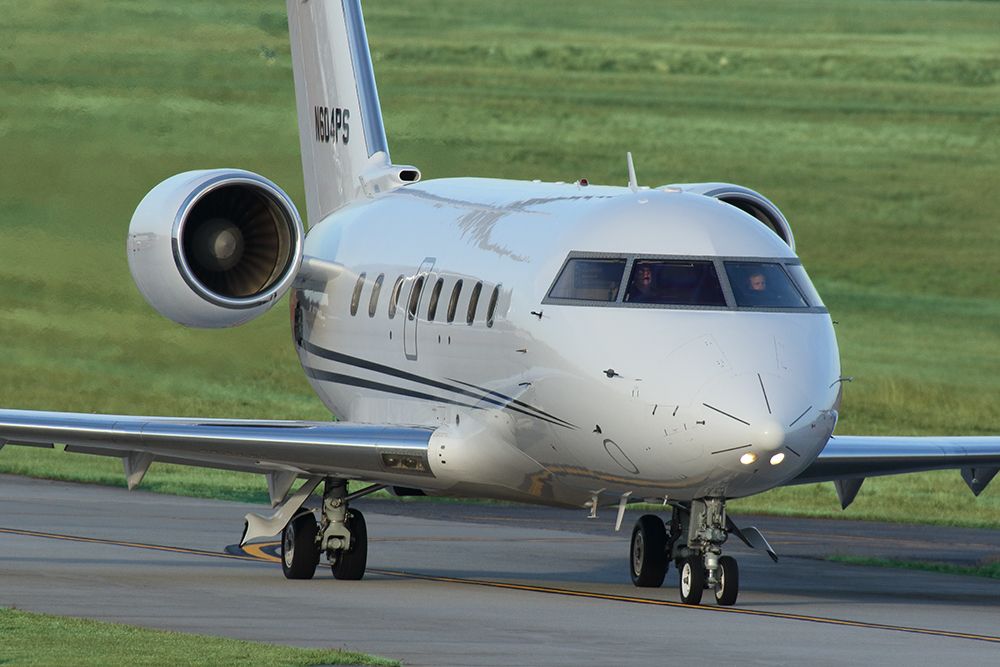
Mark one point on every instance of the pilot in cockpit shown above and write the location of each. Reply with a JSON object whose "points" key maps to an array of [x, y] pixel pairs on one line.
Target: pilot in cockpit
{"points": [[757, 282], [642, 285]]}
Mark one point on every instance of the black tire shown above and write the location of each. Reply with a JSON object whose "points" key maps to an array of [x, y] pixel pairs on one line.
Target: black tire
{"points": [[299, 552], [648, 553], [349, 564], [692, 580], [728, 588]]}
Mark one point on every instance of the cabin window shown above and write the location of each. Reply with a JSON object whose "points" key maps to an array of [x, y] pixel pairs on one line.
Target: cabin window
{"points": [[763, 285], [675, 282], [435, 295], [456, 291], [418, 287], [492, 309], [586, 279], [394, 296], [356, 298], [470, 316], [373, 301]]}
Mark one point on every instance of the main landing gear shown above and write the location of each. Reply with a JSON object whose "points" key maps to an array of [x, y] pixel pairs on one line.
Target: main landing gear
{"points": [[340, 533], [694, 542]]}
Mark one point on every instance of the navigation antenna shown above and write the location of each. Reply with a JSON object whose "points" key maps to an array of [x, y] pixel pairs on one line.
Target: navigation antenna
{"points": [[632, 184]]}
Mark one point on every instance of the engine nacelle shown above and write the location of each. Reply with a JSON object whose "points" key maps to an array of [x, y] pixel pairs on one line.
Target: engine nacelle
{"points": [[214, 248], [748, 201]]}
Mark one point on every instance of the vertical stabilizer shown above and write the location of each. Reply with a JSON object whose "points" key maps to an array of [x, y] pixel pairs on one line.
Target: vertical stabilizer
{"points": [[344, 151]]}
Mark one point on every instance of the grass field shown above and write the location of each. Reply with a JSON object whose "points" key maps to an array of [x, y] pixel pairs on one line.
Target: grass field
{"points": [[41, 640], [874, 125]]}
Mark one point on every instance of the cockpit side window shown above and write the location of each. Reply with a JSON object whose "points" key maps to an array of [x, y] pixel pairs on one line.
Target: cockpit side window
{"points": [[587, 279], [805, 285], [675, 282], [763, 285]]}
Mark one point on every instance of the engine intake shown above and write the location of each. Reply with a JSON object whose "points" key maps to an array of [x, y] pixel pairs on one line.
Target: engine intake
{"points": [[214, 248]]}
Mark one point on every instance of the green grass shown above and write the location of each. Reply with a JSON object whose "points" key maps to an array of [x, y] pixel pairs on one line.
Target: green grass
{"points": [[873, 124], [988, 570], [42, 640]]}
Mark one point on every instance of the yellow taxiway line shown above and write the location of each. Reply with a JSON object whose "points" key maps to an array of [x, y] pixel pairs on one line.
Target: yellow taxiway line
{"points": [[257, 553]]}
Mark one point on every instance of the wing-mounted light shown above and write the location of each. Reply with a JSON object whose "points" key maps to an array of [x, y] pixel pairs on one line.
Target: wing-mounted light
{"points": [[745, 199], [214, 248]]}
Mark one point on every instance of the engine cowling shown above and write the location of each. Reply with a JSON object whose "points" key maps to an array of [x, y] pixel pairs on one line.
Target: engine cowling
{"points": [[214, 248], [748, 201]]}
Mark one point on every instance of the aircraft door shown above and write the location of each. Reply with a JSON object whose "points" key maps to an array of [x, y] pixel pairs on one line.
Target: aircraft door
{"points": [[413, 299]]}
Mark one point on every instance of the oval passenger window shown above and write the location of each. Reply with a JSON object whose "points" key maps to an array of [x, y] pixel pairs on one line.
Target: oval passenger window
{"points": [[492, 309], [473, 303], [356, 298]]}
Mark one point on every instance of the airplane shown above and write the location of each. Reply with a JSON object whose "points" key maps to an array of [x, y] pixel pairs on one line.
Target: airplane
{"points": [[568, 344]]}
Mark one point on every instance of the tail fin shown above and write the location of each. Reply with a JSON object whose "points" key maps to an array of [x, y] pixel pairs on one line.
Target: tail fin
{"points": [[345, 155]]}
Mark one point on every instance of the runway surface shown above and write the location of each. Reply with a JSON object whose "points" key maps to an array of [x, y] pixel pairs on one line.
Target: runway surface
{"points": [[486, 585]]}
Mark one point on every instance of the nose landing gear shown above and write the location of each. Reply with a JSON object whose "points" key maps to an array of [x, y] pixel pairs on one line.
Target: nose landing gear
{"points": [[694, 542]]}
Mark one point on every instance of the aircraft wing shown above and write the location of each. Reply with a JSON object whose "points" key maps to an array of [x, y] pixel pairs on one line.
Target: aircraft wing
{"points": [[848, 459], [282, 450]]}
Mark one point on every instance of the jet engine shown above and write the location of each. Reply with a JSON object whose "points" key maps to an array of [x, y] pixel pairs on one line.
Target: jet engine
{"points": [[214, 248], [748, 201]]}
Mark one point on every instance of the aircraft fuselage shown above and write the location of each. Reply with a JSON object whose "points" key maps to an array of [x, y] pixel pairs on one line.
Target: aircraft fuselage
{"points": [[556, 399]]}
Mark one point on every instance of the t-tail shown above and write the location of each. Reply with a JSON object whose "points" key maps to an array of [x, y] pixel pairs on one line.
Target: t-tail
{"points": [[345, 155]]}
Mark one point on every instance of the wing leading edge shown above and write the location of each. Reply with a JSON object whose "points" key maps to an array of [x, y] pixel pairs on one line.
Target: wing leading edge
{"points": [[848, 459], [283, 450]]}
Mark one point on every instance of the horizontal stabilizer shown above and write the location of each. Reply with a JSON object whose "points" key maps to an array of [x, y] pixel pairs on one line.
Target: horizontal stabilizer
{"points": [[979, 478]]}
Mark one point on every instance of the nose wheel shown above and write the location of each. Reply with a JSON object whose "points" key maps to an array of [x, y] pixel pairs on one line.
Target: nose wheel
{"points": [[694, 541], [728, 587], [692, 580], [649, 552]]}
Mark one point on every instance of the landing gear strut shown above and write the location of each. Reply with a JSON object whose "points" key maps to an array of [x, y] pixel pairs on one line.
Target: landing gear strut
{"points": [[341, 534], [694, 542]]}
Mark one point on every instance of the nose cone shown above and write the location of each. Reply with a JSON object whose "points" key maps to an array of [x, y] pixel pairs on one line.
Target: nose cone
{"points": [[764, 427], [768, 435]]}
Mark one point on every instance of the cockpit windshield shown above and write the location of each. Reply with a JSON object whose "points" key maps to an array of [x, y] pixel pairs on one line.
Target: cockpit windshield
{"points": [[589, 279], [675, 282], [684, 282], [763, 285]]}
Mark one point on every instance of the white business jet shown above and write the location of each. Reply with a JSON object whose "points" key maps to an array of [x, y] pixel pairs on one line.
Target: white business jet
{"points": [[558, 343]]}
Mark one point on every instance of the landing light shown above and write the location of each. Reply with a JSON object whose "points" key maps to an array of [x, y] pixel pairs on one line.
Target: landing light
{"points": [[748, 458], [777, 458]]}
